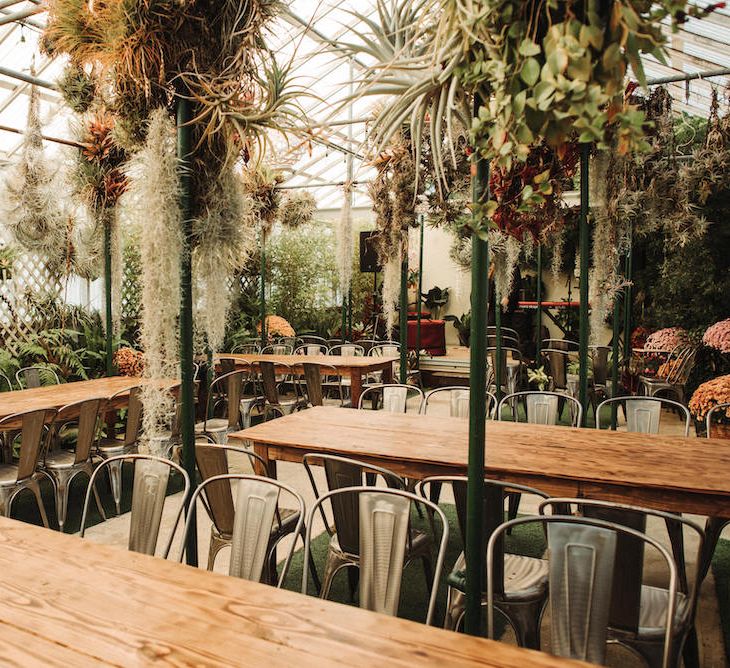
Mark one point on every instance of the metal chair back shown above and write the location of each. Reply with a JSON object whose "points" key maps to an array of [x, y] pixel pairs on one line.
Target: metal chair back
{"points": [[313, 338], [32, 437], [134, 406], [35, 376], [5, 384], [507, 340], [383, 521], [643, 414], [86, 415], [599, 362], [347, 350], [313, 379], [679, 372], [255, 509], [149, 494], [312, 349], [458, 400], [227, 388], [269, 382], [246, 349], [367, 344], [514, 352], [509, 331], [558, 363], [541, 407], [582, 555], [719, 409], [277, 349], [566, 345], [385, 350], [227, 364], [394, 397]]}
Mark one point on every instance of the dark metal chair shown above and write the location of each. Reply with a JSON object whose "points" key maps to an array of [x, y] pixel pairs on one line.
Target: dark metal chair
{"points": [[5, 384], [36, 376], [275, 403], [223, 412], [379, 542], [30, 428], [316, 386]]}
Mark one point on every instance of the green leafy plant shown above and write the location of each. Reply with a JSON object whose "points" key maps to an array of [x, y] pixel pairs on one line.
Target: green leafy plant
{"points": [[8, 256], [462, 325], [538, 377], [435, 299]]}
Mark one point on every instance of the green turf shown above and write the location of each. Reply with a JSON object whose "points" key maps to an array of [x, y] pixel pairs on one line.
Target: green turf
{"points": [[528, 540], [721, 571]]}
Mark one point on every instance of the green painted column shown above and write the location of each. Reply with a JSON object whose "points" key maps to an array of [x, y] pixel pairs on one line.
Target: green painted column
{"points": [[187, 417], [584, 253], [628, 299], [615, 355], [498, 380], [474, 548], [404, 311], [420, 290], [108, 312], [343, 324], [538, 295], [262, 293]]}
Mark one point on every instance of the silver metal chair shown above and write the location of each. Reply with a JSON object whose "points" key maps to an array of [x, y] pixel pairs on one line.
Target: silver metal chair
{"points": [[14, 478], [643, 414], [507, 341], [393, 397], [149, 495], [5, 384], [511, 371], [252, 522], [312, 349], [524, 595], [251, 396], [599, 363], [62, 466], [541, 407], [112, 447], [565, 345], [343, 550], [458, 397], [506, 331], [277, 349], [36, 376], [275, 404], [313, 338], [383, 542], [347, 350], [388, 349], [224, 392], [681, 362], [651, 620], [246, 349], [316, 386]]}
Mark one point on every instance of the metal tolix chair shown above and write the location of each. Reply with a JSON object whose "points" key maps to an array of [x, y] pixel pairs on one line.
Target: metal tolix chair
{"points": [[149, 495], [252, 523], [316, 387], [35, 376], [14, 478], [225, 391], [382, 541], [274, 403], [458, 401], [393, 397]]}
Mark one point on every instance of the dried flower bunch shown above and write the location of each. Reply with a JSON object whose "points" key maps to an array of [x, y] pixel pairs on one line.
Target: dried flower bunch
{"points": [[276, 326], [666, 339], [546, 70], [708, 395], [129, 362], [717, 336]]}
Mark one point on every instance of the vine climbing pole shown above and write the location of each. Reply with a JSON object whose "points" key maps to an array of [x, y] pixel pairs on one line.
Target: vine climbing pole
{"points": [[585, 150], [262, 287], [108, 311], [477, 404], [187, 416]]}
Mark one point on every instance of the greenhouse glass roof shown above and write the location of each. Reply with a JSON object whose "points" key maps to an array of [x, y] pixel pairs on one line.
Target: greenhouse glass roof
{"points": [[333, 152]]}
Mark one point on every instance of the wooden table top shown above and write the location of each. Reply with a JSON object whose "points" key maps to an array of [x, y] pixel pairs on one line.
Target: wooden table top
{"points": [[71, 602], [671, 472], [55, 396], [339, 361]]}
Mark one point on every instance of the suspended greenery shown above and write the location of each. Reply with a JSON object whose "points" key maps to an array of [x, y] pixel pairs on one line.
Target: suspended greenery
{"points": [[345, 240], [260, 185], [297, 208], [79, 89], [551, 71]]}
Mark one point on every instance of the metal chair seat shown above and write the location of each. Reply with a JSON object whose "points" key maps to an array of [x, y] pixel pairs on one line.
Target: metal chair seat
{"points": [[111, 447], [420, 544], [8, 474], [60, 459], [653, 611], [213, 425]]}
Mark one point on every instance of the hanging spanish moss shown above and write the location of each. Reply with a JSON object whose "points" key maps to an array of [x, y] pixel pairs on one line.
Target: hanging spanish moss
{"points": [[154, 201], [345, 242]]}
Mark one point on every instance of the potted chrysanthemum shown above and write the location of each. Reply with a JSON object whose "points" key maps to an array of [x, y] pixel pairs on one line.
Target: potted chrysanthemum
{"points": [[705, 398]]}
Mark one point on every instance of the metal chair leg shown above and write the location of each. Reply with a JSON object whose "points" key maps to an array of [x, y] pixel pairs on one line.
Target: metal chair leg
{"points": [[115, 481], [61, 481], [36, 489]]}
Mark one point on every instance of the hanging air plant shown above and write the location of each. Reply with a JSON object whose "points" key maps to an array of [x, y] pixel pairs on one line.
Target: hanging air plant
{"points": [[297, 208], [345, 243], [260, 185], [33, 215], [79, 89]]}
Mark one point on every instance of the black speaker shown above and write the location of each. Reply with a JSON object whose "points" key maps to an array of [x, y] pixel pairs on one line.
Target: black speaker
{"points": [[368, 254]]}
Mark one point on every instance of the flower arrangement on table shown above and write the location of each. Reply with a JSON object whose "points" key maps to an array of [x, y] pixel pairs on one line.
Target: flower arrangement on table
{"points": [[129, 362], [710, 394], [717, 336], [666, 339], [639, 337], [276, 326]]}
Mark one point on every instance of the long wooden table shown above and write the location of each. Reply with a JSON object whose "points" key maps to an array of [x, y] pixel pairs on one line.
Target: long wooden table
{"points": [[56, 396], [665, 472], [354, 367], [71, 602]]}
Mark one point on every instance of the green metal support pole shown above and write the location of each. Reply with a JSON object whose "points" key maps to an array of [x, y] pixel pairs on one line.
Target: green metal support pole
{"points": [[474, 548], [404, 313], [349, 315], [584, 252], [420, 291], [187, 418], [538, 295], [262, 295], [343, 325], [498, 380], [109, 319], [628, 298], [614, 357]]}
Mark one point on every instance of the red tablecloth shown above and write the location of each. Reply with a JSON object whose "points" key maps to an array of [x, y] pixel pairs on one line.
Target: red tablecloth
{"points": [[433, 336]]}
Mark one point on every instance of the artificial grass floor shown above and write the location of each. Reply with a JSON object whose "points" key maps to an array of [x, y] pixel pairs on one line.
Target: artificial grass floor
{"points": [[721, 571], [528, 540]]}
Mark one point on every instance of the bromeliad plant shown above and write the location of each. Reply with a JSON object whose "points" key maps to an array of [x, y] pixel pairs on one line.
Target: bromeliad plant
{"points": [[545, 70]]}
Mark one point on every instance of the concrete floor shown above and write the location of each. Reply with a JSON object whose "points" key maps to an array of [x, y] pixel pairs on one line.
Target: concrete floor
{"points": [[114, 531]]}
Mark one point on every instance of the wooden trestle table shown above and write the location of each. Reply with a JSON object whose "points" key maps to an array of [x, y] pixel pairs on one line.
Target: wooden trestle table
{"points": [[356, 368], [670, 473], [67, 601]]}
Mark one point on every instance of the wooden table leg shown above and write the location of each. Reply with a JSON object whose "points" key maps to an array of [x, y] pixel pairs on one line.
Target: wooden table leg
{"points": [[262, 450], [355, 386]]}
